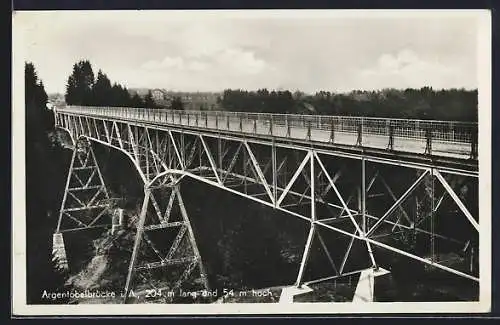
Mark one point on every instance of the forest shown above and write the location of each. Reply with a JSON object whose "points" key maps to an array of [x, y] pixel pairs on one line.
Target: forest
{"points": [[83, 88], [424, 103]]}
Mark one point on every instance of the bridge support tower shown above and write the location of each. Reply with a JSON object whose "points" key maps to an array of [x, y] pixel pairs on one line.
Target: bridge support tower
{"points": [[177, 258], [85, 203]]}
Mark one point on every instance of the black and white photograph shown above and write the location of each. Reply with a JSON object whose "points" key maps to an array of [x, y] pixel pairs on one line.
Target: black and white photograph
{"points": [[185, 162]]}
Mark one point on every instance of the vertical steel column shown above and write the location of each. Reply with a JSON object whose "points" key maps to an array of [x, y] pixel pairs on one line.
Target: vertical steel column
{"points": [[275, 174], [183, 148], [312, 230], [67, 186], [146, 153], [313, 190], [363, 193], [219, 152], [363, 211], [305, 256], [433, 243], [245, 171], [192, 239], [137, 243]]}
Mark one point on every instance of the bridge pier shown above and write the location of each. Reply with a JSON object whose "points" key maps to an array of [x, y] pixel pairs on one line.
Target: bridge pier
{"points": [[118, 221], [85, 201], [181, 253], [59, 253]]}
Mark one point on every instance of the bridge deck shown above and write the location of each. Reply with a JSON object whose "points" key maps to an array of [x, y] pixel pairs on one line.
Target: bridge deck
{"points": [[448, 139]]}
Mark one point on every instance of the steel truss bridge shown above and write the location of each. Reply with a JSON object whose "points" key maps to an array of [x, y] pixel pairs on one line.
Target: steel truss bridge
{"points": [[368, 180]]}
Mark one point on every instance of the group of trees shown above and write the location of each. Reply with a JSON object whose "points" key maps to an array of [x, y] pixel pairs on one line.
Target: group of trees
{"points": [[259, 101], [83, 88], [424, 103], [38, 118], [44, 183]]}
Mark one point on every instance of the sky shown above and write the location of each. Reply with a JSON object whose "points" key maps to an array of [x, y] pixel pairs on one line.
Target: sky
{"points": [[328, 50]]}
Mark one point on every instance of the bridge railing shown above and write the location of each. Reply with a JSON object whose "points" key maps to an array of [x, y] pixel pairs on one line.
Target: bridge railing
{"points": [[445, 131]]}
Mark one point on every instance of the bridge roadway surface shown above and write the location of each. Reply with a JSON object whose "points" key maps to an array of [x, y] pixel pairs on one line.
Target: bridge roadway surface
{"points": [[259, 125]]}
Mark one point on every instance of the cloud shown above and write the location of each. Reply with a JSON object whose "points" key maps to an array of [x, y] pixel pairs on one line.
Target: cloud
{"points": [[228, 61], [166, 63], [239, 61], [407, 69], [197, 66], [213, 52]]}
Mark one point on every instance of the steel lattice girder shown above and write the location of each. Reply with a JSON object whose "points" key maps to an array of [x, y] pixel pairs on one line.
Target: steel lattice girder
{"points": [[86, 199], [211, 172], [154, 219]]}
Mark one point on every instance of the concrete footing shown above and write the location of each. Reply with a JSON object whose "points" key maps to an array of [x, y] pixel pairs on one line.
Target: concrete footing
{"points": [[366, 285], [288, 293], [59, 253], [117, 221]]}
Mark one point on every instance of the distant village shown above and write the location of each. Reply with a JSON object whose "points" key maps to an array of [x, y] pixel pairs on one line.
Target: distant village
{"points": [[163, 98], [191, 100]]}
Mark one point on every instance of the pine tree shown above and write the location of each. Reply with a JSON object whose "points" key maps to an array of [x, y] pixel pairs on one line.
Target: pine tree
{"points": [[136, 101], [38, 118], [177, 103], [149, 102], [79, 85], [102, 90]]}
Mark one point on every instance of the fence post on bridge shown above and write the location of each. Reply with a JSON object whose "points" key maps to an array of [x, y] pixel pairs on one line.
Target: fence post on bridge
{"points": [[428, 140], [241, 124], [288, 134], [271, 125], [474, 142], [332, 131], [390, 145], [359, 141], [309, 130]]}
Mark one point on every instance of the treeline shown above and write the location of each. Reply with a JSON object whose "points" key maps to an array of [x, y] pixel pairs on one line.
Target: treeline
{"points": [[423, 103], [44, 183], [83, 88], [38, 118]]}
